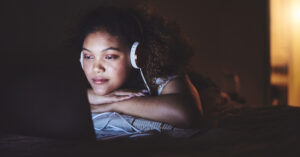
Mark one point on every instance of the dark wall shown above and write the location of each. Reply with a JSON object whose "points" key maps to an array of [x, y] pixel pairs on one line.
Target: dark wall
{"points": [[228, 36]]}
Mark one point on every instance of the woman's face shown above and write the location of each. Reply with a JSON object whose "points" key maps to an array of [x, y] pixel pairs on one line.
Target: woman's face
{"points": [[106, 62]]}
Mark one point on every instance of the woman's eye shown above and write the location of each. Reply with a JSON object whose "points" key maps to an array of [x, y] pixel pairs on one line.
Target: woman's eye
{"points": [[110, 57], [87, 57]]}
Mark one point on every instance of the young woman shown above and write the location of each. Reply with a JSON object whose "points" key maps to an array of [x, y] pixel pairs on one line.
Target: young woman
{"points": [[135, 63]]}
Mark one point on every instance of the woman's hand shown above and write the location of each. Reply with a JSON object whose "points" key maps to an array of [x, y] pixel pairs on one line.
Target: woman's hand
{"points": [[101, 103], [179, 105]]}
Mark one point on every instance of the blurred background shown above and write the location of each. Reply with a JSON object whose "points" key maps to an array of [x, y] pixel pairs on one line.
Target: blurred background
{"points": [[244, 46]]}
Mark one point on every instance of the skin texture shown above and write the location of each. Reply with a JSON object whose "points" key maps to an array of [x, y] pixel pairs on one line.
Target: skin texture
{"points": [[105, 57]]}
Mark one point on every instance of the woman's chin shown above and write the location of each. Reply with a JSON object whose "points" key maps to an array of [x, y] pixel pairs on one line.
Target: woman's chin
{"points": [[100, 91]]}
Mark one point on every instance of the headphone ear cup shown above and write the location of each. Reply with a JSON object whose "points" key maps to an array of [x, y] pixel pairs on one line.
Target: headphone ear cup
{"points": [[133, 55], [81, 59]]}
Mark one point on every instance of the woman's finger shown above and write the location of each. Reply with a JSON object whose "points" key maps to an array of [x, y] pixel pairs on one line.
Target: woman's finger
{"points": [[117, 98], [127, 92]]}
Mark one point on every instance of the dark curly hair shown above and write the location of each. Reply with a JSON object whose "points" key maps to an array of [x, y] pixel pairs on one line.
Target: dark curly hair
{"points": [[164, 50]]}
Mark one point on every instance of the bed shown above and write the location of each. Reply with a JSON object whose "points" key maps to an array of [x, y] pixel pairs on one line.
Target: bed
{"points": [[260, 131]]}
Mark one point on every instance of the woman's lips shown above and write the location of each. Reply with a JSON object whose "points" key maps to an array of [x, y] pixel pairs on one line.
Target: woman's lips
{"points": [[99, 81]]}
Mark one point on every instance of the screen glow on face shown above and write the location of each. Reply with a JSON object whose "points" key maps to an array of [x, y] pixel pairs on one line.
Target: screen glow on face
{"points": [[105, 62]]}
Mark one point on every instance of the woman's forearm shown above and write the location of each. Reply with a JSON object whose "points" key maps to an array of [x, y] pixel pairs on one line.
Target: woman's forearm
{"points": [[176, 109]]}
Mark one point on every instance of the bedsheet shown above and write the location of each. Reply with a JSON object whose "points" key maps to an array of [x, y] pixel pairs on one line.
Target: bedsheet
{"points": [[110, 125], [268, 131]]}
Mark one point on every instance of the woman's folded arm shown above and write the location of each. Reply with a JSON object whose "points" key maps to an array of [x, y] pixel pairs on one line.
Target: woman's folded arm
{"points": [[179, 105]]}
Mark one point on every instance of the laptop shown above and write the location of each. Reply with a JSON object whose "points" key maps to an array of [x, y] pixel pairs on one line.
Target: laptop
{"points": [[45, 100]]}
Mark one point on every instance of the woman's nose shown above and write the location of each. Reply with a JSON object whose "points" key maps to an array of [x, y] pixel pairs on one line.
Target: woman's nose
{"points": [[98, 68]]}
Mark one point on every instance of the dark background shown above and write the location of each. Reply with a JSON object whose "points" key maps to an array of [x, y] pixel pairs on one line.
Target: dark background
{"points": [[229, 36]]}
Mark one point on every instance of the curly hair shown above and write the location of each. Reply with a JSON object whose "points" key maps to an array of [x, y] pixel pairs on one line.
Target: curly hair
{"points": [[164, 49]]}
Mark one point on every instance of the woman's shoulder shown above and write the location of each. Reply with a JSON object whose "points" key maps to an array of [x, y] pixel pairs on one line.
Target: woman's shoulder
{"points": [[161, 82]]}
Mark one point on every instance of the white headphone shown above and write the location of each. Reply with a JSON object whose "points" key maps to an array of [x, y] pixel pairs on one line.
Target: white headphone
{"points": [[133, 58], [81, 59]]}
